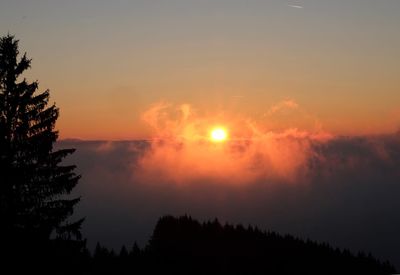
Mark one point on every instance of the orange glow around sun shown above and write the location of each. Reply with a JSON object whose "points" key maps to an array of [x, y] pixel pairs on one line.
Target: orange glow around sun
{"points": [[218, 134]]}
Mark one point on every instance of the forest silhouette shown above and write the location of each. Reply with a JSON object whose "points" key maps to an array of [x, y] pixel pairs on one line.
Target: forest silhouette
{"points": [[38, 236]]}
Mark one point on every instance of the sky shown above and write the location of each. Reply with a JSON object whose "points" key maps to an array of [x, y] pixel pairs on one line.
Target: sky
{"points": [[107, 63]]}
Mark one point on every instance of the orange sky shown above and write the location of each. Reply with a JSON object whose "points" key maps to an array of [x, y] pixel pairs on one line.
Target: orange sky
{"points": [[107, 64]]}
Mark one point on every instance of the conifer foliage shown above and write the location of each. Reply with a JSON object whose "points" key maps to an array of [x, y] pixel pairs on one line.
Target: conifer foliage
{"points": [[34, 185]]}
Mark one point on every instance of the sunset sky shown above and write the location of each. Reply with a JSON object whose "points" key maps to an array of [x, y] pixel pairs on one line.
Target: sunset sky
{"points": [[315, 65]]}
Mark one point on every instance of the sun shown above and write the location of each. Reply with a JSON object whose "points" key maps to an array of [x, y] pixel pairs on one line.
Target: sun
{"points": [[218, 134]]}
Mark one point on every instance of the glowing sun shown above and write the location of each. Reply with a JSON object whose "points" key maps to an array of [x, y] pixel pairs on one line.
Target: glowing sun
{"points": [[218, 134]]}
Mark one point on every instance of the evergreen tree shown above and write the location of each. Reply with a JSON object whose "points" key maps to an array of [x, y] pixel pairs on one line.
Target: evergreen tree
{"points": [[135, 251], [123, 254], [34, 186]]}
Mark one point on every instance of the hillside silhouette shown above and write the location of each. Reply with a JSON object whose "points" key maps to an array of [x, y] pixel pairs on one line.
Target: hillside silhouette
{"points": [[185, 246]]}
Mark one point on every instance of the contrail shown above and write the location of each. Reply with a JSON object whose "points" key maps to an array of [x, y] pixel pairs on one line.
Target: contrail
{"points": [[296, 6]]}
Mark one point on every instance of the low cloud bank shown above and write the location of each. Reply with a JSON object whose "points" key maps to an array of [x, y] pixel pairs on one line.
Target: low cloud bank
{"points": [[343, 190]]}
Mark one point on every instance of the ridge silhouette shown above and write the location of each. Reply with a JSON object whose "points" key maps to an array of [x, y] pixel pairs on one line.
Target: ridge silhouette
{"points": [[182, 245]]}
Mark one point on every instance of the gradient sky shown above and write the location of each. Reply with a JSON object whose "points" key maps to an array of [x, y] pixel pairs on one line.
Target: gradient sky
{"points": [[106, 62]]}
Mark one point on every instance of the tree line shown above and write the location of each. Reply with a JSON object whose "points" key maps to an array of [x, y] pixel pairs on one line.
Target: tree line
{"points": [[182, 245]]}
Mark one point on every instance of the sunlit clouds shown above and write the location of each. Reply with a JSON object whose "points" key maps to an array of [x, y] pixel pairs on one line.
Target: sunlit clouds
{"points": [[283, 105], [187, 147]]}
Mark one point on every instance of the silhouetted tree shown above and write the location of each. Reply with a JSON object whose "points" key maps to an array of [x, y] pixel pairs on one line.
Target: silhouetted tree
{"points": [[101, 253], [34, 205], [135, 251]]}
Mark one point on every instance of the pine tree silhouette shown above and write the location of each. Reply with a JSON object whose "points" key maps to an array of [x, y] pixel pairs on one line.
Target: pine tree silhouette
{"points": [[34, 186]]}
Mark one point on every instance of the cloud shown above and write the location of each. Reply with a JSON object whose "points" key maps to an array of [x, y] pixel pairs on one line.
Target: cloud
{"points": [[288, 114], [182, 152], [287, 104], [296, 6]]}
